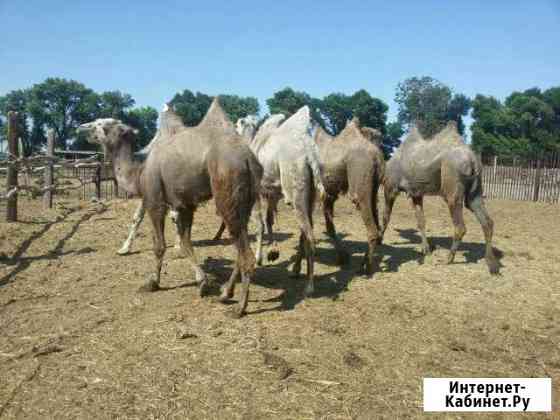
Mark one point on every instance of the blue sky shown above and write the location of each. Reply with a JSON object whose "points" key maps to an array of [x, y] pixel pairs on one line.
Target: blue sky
{"points": [[152, 49]]}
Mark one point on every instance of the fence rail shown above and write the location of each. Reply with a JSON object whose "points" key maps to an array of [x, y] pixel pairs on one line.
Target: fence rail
{"points": [[48, 174], [525, 179]]}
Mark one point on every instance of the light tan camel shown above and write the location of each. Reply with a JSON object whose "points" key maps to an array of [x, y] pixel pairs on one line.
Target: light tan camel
{"points": [[183, 171], [352, 163], [442, 165]]}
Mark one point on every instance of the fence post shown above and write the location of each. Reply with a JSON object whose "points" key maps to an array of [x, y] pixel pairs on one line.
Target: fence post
{"points": [[98, 180], [12, 181], [49, 173], [537, 181]]}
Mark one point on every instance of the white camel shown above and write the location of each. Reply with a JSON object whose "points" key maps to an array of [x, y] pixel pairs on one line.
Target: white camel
{"points": [[290, 161]]}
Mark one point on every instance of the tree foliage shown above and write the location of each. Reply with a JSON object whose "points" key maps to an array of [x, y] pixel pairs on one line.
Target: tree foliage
{"points": [[63, 104], [193, 107], [430, 104], [337, 108], [527, 123]]}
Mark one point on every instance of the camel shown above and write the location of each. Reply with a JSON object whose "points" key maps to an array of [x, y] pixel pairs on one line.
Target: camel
{"points": [[181, 172], [170, 124], [291, 167], [442, 165], [352, 164]]}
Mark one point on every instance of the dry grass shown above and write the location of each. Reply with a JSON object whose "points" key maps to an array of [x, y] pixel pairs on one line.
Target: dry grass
{"points": [[78, 341]]}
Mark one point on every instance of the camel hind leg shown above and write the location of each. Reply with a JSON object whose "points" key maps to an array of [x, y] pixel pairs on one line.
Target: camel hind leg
{"points": [[476, 205], [418, 204], [235, 193], [455, 204], [342, 255], [303, 204], [368, 210]]}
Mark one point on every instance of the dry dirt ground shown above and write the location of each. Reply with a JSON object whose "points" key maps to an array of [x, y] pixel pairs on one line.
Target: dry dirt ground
{"points": [[78, 341]]}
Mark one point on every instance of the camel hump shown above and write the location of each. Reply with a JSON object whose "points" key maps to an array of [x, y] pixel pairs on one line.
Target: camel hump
{"points": [[321, 137], [268, 127], [450, 134], [355, 121], [170, 123], [216, 117]]}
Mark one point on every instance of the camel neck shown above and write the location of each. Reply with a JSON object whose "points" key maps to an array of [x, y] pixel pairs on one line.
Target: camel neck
{"points": [[126, 170]]}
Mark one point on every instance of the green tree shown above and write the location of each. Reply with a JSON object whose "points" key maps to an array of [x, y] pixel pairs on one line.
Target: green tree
{"points": [[193, 107], [287, 101], [113, 104], [392, 138], [17, 101], [62, 105], [527, 123], [430, 104]]}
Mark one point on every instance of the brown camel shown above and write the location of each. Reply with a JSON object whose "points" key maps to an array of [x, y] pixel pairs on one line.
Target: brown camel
{"points": [[442, 165], [352, 164], [209, 160]]}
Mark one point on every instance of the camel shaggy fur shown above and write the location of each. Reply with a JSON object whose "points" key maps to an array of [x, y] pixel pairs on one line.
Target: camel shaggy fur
{"points": [[290, 161], [352, 164], [183, 171], [442, 165]]}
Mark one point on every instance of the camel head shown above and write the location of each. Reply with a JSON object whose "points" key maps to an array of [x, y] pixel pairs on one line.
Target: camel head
{"points": [[110, 133], [246, 127]]}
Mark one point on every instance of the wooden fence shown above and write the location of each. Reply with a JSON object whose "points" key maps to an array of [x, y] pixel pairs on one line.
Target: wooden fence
{"points": [[527, 179], [48, 174]]}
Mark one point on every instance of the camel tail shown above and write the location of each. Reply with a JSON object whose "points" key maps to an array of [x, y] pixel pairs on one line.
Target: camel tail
{"points": [[473, 186], [256, 173], [312, 157]]}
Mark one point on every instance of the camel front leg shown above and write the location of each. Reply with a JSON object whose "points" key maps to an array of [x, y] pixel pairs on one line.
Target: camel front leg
{"points": [[157, 217], [418, 204], [184, 226], [136, 221], [456, 211]]}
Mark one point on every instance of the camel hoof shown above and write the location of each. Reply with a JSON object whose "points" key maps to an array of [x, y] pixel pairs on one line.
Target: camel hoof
{"points": [[225, 296], [123, 251], [236, 313], [273, 255], [309, 291], [204, 289], [342, 257], [493, 267], [150, 286], [426, 250]]}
